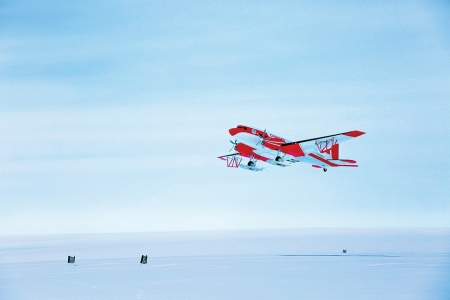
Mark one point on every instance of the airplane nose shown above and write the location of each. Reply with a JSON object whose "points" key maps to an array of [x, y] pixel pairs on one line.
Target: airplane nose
{"points": [[233, 131]]}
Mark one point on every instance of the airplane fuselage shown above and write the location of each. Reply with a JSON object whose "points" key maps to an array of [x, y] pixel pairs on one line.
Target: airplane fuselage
{"points": [[320, 152]]}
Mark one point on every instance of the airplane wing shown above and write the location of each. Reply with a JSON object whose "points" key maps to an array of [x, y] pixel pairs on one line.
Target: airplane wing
{"points": [[341, 137], [324, 144]]}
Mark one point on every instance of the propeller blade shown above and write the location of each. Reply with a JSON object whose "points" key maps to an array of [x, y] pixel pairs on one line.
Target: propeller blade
{"points": [[235, 143]]}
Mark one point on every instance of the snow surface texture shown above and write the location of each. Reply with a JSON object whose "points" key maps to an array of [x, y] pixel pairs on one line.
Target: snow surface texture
{"points": [[260, 264]]}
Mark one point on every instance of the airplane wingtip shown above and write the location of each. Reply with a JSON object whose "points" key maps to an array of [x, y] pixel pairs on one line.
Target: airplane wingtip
{"points": [[354, 133]]}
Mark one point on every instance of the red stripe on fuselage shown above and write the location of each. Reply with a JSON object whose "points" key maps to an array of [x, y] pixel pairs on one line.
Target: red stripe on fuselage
{"points": [[271, 141]]}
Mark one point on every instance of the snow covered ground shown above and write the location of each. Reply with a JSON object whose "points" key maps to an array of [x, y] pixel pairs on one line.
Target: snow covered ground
{"points": [[254, 264]]}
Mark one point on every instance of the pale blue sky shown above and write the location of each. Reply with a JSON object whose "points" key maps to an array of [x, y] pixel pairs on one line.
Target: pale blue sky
{"points": [[112, 113]]}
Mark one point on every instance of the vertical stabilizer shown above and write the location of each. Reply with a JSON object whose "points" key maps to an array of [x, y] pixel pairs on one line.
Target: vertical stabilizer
{"points": [[335, 151]]}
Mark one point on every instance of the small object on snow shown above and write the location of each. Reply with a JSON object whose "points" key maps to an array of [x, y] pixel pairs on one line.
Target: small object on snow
{"points": [[143, 259], [71, 259], [344, 251]]}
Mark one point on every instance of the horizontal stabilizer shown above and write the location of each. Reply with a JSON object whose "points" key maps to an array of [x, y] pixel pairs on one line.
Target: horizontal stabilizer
{"points": [[343, 162], [334, 162], [348, 161]]}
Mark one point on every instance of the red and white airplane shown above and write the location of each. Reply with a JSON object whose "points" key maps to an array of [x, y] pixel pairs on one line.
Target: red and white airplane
{"points": [[255, 144]]}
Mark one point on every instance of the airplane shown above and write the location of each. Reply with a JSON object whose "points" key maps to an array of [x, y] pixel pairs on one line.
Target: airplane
{"points": [[259, 145]]}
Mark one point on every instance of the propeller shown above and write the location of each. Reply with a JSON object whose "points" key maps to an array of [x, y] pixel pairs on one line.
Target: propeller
{"points": [[235, 143], [262, 137]]}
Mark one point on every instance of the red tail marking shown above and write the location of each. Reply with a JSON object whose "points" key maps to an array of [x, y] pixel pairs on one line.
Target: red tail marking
{"points": [[335, 151], [323, 160], [332, 164], [349, 161]]}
